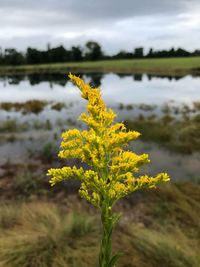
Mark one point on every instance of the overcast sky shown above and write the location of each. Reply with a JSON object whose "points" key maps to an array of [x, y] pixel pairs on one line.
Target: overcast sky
{"points": [[115, 24]]}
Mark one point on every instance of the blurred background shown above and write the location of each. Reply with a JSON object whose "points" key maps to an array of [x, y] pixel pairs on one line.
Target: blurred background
{"points": [[145, 57]]}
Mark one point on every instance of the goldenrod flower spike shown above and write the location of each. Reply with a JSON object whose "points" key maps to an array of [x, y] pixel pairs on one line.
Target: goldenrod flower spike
{"points": [[113, 168]]}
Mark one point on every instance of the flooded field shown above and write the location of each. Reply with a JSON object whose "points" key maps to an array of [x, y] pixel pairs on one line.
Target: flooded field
{"points": [[35, 109], [161, 225]]}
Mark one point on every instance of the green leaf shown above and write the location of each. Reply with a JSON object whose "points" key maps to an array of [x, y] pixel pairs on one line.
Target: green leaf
{"points": [[114, 260], [116, 218]]}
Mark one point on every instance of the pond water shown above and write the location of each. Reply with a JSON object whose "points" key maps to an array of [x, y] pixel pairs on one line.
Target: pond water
{"points": [[116, 88], [141, 94]]}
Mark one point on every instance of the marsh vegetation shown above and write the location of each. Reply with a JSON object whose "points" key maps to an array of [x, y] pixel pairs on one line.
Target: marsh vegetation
{"points": [[159, 228]]}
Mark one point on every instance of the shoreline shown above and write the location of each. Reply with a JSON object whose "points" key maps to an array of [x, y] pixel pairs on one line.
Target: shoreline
{"points": [[166, 66]]}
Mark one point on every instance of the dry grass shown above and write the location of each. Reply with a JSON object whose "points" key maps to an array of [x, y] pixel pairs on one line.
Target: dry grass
{"points": [[159, 228]]}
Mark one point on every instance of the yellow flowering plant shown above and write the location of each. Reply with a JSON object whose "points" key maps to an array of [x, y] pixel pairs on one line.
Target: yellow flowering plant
{"points": [[113, 169]]}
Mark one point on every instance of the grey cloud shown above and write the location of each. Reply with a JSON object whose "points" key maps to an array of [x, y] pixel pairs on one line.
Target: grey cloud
{"points": [[104, 9], [32, 23]]}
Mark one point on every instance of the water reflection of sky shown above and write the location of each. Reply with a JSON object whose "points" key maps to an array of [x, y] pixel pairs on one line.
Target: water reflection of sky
{"points": [[115, 89], [178, 166], [154, 91], [128, 89]]}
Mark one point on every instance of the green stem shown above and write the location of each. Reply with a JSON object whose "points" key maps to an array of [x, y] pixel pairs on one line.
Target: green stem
{"points": [[106, 242]]}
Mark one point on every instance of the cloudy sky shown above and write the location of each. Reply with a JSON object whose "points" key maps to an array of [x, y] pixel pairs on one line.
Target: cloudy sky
{"points": [[115, 24]]}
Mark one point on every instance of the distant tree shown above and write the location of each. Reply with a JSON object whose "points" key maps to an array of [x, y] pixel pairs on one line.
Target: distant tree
{"points": [[77, 53], [123, 55], [196, 52], [139, 52], [59, 54], [168, 53], [13, 57], [171, 52], [150, 54], [33, 56], [93, 51], [182, 53]]}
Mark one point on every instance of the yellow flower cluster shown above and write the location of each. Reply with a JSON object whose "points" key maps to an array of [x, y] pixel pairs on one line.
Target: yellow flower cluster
{"points": [[102, 147]]}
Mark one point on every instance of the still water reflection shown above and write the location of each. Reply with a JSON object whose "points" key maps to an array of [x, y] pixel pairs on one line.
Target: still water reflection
{"points": [[118, 90]]}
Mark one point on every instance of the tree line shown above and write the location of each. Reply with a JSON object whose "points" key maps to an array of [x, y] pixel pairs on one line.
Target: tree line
{"points": [[92, 51]]}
